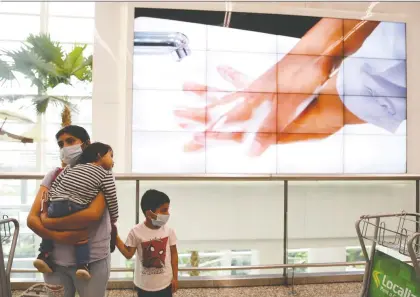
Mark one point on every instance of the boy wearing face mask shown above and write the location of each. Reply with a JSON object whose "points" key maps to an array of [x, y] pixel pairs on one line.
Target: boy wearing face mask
{"points": [[156, 270]]}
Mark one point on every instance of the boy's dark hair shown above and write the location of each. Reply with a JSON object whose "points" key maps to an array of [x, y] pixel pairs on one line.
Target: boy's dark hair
{"points": [[93, 152], [152, 200], [76, 131]]}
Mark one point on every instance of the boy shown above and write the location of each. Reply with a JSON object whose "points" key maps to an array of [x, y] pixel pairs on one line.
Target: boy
{"points": [[156, 271]]}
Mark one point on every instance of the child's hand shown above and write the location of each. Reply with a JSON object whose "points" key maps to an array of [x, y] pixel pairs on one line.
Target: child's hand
{"points": [[174, 286], [44, 202]]}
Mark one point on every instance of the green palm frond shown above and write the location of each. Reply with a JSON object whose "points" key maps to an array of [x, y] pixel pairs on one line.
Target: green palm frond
{"points": [[6, 73], [44, 47], [32, 66], [11, 98], [76, 64], [42, 102], [73, 59], [84, 71], [44, 63]]}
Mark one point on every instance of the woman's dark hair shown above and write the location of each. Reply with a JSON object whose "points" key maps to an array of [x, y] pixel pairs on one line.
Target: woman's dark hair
{"points": [[93, 153], [76, 131]]}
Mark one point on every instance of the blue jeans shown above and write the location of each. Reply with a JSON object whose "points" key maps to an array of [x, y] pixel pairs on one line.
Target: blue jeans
{"points": [[58, 209], [95, 287]]}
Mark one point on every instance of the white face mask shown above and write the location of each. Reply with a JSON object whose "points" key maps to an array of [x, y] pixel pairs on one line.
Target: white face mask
{"points": [[70, 154], [160, 220]]}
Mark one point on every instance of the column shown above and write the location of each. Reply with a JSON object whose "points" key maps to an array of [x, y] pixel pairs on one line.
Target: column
{"points": [[110, 94], [109, 101]]}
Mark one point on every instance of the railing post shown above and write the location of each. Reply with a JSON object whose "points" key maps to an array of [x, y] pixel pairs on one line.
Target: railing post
{"points": [[137, 201], [285, 228], [417, 211]]}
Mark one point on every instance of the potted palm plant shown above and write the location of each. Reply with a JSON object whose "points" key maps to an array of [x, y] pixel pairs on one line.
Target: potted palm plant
{"points": [[46, 65]]}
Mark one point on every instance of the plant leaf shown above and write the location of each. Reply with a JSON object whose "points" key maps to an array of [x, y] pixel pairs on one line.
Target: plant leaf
{"points": [[41, 61], [48, 50], [84, 71], [73, 60], [6, 73], [32, 66], [41, 102]]}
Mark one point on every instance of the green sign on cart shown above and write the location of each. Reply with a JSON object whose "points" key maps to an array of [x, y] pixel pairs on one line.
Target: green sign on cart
{"points": [[392, 278]]}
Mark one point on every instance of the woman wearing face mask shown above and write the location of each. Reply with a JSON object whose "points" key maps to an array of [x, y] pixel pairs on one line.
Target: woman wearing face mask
{"points": [[72, 140]]}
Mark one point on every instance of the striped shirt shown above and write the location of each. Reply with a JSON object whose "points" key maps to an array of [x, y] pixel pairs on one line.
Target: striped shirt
{"points": [[82, 183]]}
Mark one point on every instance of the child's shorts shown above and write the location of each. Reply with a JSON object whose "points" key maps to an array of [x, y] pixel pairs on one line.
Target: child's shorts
{"points": [[62, 208]]}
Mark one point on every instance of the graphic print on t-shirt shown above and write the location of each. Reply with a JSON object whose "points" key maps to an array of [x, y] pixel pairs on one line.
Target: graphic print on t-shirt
{"points": [[154, 254]]}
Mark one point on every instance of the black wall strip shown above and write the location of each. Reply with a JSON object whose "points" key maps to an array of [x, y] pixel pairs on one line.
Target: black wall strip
{"points": [[277, 24]]}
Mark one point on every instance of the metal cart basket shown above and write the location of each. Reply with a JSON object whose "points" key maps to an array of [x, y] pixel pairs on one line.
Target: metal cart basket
{"points": [[393, 265], [9, 231]]}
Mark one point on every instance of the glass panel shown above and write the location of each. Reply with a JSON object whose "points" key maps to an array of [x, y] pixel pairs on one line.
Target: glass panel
{"points": [[20, 7], [18, 26], [237, 223], [21, 85], [22, 107], [77, 88], [79, 9], [71, 30], [224, 224], [322, 215], [392, 36], [10, 45], [16, 156], [298, 256], [18, 161], [126, 191], [80, 116], [16, 197], [355, 254]]}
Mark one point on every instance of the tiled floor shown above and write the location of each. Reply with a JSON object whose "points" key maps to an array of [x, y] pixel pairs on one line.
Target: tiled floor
{"points": [[331, 290]]}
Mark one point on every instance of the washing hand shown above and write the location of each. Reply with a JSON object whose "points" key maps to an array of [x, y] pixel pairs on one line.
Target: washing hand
{"points": [[323, 117], [240, 109]]}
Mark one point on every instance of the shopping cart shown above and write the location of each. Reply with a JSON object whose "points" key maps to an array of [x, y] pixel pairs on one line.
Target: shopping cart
{"points": [[9, 231], [393, 266]]}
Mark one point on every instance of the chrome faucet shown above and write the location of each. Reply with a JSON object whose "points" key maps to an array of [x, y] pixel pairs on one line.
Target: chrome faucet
{"points": [[154, 43]]}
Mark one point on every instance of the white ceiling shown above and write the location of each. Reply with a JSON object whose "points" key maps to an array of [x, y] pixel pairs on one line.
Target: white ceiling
{"points": [[381, 7]]}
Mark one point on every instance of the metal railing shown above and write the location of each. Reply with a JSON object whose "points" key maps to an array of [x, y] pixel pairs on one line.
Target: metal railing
{"points": [[138, 178], [6, 236], [238, 177]]}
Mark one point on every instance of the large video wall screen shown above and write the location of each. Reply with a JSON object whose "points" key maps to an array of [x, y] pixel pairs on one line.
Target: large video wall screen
{"points": [[248, 93]]}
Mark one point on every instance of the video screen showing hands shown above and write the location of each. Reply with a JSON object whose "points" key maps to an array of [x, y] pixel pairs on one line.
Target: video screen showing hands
{"points": [[256, 93]]}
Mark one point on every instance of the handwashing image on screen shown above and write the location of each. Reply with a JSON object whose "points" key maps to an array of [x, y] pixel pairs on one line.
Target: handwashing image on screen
{"points": [[248, 93]]}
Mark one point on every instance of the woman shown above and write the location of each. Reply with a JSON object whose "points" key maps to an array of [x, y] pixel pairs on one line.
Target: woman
{"points": [[72, 140]]}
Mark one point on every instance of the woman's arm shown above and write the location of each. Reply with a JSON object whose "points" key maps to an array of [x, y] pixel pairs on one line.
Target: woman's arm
{"points": [[127, 251], [35, 224], [79, 220]]}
